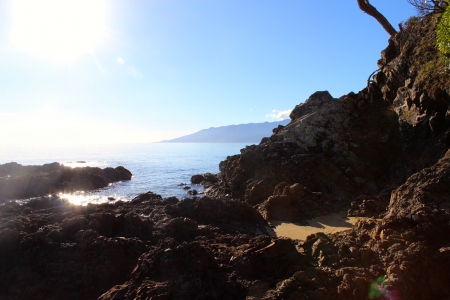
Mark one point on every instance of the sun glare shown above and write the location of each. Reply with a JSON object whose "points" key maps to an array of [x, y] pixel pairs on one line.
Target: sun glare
{"points": [[61, 30]]}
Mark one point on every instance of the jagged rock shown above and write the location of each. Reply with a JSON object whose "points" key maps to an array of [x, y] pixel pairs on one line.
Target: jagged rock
{"points": [[63, 249], [424, 200], [210, 177], [320, 121], [323, 149], [369, 206]]}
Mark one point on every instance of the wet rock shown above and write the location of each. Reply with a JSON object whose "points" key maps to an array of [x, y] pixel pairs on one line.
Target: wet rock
{"points": [[193, 192], [17, 181]]}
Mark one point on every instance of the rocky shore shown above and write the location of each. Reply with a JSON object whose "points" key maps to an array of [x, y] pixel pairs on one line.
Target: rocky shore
{"points": [[382, 153], [19, 182]]}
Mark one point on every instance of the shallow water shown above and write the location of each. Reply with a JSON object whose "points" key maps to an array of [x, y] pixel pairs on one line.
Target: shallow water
{"points": [[156, 167]]}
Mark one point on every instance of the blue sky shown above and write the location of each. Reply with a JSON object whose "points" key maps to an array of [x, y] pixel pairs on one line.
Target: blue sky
{"points": [[165, 68]]}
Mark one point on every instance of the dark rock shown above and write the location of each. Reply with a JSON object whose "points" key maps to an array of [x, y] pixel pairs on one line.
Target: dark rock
{"points": [[196, 179], [17, 181], [210, 177], [192, 192], [172, 200], [73, 225], [369, 206]]}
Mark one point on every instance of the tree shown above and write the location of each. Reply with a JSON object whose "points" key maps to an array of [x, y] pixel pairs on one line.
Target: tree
{"points": [[429, 6], [366, 7], [443, 34]]}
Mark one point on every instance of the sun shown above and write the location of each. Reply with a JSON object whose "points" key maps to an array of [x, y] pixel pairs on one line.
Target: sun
{"points": [[61, 30]]}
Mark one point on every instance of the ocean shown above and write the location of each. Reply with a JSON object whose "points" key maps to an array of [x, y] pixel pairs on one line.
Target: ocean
{"points": [[156, 167]]}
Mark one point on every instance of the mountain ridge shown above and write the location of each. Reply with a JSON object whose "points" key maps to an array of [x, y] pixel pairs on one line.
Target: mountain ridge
{"points": [[241, 133]]}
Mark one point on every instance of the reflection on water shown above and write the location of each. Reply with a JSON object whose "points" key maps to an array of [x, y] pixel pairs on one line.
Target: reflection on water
{"points": [[82, 163], [327, 224], [84, 198], [156, 167]]}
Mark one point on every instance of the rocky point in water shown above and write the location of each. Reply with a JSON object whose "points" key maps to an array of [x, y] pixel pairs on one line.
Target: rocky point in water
{"points": [[380, 153], [18, 182]]}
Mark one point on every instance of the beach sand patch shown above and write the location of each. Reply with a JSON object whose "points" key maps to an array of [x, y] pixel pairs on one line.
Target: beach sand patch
{"points": [[331, 223]]}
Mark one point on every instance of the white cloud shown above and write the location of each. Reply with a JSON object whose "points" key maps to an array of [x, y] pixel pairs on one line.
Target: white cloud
{"points": [[281, 115]]}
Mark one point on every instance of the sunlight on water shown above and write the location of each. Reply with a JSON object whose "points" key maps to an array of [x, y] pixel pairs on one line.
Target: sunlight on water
{"points": [[156, 167], [83, 198], [82, 163]]}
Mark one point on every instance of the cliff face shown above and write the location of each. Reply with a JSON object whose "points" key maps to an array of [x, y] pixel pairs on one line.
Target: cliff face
{"points": [[336, 148], [360, 145], [383, 152]]}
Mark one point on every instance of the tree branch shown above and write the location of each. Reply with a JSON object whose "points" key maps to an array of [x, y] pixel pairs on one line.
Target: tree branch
{"points": [[366, 7]]}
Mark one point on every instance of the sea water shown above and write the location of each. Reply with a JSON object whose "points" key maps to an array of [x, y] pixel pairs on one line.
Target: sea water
{"points": [[157, 167]]}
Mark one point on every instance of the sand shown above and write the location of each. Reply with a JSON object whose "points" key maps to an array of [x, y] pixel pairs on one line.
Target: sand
{"points": [[328, 224]]}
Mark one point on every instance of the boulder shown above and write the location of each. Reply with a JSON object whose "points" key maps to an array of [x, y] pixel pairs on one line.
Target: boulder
{"points": [[197, 179]]}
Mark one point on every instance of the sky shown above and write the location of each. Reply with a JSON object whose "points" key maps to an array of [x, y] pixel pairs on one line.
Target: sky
{"points": [[119, 71]]}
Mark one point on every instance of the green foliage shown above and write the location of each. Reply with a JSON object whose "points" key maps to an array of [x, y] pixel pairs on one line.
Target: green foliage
{"points": [[443, 33]]}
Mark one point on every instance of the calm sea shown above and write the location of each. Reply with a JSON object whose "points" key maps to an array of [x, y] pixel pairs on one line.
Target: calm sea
{"points": [[156, 167]]}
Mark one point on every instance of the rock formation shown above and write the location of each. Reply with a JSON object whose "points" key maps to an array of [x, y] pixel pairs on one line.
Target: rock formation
{"points": [[357, 148], [18, 182]]}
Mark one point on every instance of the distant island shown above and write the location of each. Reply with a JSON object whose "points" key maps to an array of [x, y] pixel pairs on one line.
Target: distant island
{"points": [[242, 133]]}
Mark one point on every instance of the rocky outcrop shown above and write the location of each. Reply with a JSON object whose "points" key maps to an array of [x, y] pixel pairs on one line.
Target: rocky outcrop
{"points": [[51, 249], [18, 182], [411, 243], [337, 149], [352, 151], [196, 179], [423, 202], [209, 248]]}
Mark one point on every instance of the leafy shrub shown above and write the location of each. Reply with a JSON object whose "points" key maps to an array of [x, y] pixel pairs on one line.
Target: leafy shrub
{"points": [[443, 33]]}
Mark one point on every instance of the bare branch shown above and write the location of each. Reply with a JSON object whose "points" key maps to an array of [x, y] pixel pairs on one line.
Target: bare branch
{"points": [[366, 7], [425, 7]]}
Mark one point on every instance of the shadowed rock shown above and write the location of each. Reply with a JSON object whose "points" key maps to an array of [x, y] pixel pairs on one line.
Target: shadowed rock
{"points": [[18, 182]]}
